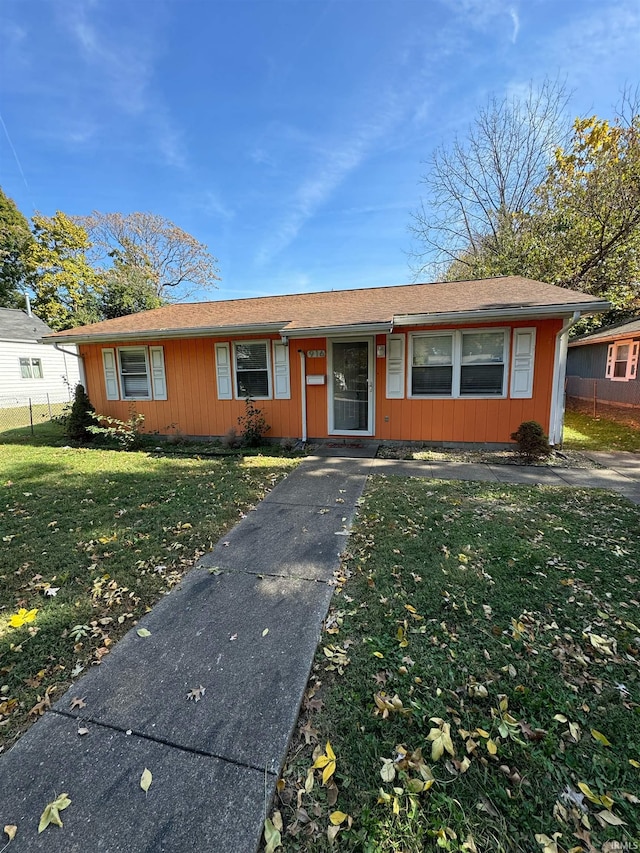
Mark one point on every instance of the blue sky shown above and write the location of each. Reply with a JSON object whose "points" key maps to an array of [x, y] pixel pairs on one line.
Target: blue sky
{"points": [[288, 135]]}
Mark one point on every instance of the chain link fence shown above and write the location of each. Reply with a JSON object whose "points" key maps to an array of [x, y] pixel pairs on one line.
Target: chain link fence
{"points": [[29, 411], [617, 401]]}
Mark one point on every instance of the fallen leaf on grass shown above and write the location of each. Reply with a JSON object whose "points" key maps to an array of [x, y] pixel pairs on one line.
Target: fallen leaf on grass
{"points": [[338, 817], [272, 837], [51, 813], [326, 763], [440, 739], [609, 817], [600, 737], [549, 845], [145, 780]]}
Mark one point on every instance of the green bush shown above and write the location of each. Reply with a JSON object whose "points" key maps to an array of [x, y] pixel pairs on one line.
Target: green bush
{"points": [[81, 418], [125, 434], [252, 424], [532, 441]]}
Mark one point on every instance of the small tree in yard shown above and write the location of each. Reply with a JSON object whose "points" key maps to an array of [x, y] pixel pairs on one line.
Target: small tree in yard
{"points": [[252, 424], [532, 442], [81, 416]]}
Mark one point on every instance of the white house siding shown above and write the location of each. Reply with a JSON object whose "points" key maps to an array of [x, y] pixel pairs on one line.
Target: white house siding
{"points": [[60, 371]]}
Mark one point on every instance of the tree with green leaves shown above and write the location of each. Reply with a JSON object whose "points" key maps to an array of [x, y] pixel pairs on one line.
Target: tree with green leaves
{"points": [[15, 240], [66, 286], [573, 220]]}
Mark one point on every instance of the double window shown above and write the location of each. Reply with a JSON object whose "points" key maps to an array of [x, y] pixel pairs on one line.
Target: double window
{"points": [[622, 360], [134, 373], [459, 364], [31, 368]]}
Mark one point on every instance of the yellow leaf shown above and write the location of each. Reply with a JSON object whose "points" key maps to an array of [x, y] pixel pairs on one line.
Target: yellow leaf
{"points": [[332, 831], [321, 761], [492, 747], [143, 632], [586, 790], [610, 818], [272, 837], [634, 763], [549, 845], [378, 654], [146, 779], [51, 812], [482, 733], [337, 818], [600, 737], [330, 752], [328, 772], [388, 771], [10, 830], [560, 718], [22, 617]]}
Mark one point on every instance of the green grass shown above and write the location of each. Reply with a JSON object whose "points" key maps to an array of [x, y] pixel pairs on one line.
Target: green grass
{"points": [[508, 616], [582, 432], [19, 416], [109, 532]]}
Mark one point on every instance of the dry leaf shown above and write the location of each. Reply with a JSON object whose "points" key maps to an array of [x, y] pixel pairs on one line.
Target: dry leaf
{"points": [[337, 818], [143, 632], [77, 702], [272, 837], [265, 632], [10, 830], [145, 780], [51, 814], [196, 693]]}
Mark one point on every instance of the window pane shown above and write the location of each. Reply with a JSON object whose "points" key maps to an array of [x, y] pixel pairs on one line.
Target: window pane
{"points": [[431, 381], [481, 379], [133, 361], [253, 383], [482, 347], [37, 368], [25, 368], [432, 350], [251, 356]]}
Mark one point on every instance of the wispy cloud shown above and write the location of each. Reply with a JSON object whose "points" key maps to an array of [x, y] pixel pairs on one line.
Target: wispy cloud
{"points": [[211, 205], [516, 24]]}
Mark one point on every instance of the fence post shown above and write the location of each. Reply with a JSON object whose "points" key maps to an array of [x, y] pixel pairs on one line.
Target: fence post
{"points": [[49, 406], [595, 393], [31, 416]]}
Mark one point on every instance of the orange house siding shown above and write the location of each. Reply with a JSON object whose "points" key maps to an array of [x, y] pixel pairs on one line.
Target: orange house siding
{"points": [[192, 406]]}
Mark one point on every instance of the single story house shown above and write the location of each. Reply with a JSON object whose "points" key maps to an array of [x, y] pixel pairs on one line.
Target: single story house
{"points": [[605, 365], [457, 362], [29, 370]]}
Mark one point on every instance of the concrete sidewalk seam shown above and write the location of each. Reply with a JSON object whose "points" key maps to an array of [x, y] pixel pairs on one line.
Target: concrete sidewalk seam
{"points": [[245, 571], [163, 742]]}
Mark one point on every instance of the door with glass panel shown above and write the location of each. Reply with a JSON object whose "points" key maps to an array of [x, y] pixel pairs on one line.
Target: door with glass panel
{"points": [[351, 387]]}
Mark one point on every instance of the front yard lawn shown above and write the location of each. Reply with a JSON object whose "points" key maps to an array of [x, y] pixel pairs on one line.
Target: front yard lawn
{"points": [[90, 539], [582, 432], [478, 679]]}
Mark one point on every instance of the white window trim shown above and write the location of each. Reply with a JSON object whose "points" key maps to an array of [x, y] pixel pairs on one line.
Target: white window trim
{"points": [[267, 346], [456, 359], [632, 360], [123, 394], [31, 360]]}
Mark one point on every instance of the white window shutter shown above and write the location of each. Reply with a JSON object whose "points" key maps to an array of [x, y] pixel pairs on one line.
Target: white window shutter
{"points": [[223, 372], [522, 363], [610, 361], [281, 380], [395, 367], [156, 356], [632, 369], [110, 374]]}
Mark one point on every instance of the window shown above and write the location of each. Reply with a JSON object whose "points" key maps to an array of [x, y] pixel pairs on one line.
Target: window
{"points": [[252, 370], [622, 361], [459, 364], [31, 368], [134, 373]]}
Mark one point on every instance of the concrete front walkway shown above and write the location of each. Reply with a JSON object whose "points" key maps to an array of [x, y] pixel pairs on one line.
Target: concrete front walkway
{"points": [[237, 636]]}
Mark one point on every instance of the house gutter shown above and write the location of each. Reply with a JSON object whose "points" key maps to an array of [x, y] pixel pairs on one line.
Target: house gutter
{"points": [[303, 393], [519, 313], [556, 418], [337, 331], [166, 334]]}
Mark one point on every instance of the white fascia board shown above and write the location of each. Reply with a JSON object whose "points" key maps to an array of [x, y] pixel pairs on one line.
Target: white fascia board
{"points": [[167, 334], [483, 315]]}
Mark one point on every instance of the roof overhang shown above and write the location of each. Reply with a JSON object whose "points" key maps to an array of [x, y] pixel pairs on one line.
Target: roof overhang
{"points": [[166, 334], [605, 339], [528, 312], [335, 331]]}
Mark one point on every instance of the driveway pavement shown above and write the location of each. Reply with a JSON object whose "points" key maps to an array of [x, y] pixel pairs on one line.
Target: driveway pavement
{"points": [[209, 699]]}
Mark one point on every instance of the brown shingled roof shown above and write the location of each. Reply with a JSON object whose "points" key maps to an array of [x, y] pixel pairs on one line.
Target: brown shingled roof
{"points": [[339, 308]]}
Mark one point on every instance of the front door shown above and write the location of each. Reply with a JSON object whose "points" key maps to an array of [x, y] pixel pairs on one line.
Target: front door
{"points": [[351, 387]]}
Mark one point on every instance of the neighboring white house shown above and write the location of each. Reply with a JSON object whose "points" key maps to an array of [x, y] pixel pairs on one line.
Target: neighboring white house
{"points": [[29, 369]]}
